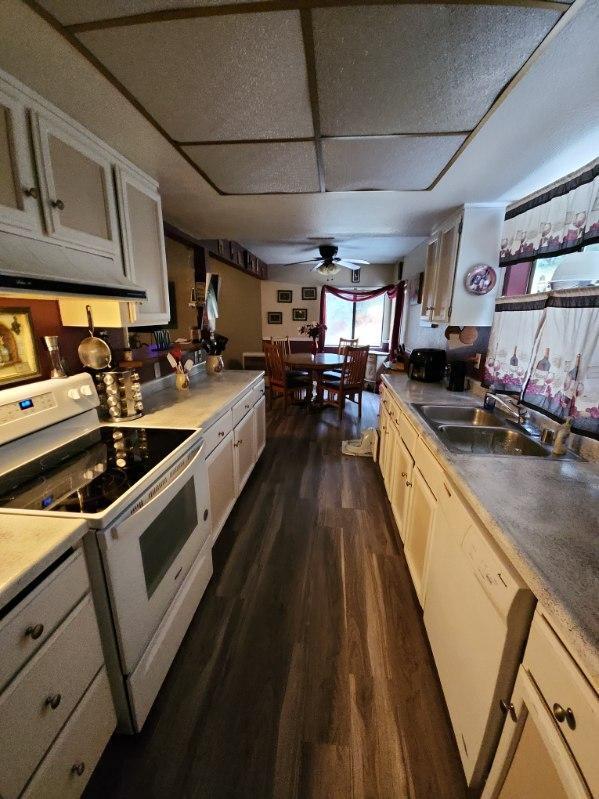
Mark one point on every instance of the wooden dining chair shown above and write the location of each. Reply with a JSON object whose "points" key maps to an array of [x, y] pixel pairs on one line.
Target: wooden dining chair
{"points": [[346, 342], [283, 382], [282, 344], [350, 383]]}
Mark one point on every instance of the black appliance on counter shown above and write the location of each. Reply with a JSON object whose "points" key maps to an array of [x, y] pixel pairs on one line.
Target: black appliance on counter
{"points": [[455, 376], [427, 365]]}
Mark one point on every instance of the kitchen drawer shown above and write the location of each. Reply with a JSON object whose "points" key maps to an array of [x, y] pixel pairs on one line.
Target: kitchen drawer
{"points": [[33, 620], [258, 392], [63, 668], [408, 433], [64, 772], [240, 408], [429, 466], [144, 683], [563, 685], [214, 434]]}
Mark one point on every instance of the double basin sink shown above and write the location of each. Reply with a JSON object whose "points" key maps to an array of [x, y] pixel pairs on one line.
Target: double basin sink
{"points": [[476, 431]]}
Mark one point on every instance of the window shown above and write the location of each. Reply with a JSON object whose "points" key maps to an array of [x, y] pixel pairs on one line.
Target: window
{"points": [[533, 277], [361, 320]]}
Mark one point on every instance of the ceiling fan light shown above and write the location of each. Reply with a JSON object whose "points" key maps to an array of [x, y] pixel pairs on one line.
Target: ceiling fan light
{"points": [[329, 269]]}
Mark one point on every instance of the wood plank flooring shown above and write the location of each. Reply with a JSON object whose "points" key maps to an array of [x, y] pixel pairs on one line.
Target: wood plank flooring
{"points": [[306, 671]]}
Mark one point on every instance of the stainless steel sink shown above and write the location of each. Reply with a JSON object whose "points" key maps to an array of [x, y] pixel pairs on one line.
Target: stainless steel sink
{"points": [[461, 414], [490, 440]]}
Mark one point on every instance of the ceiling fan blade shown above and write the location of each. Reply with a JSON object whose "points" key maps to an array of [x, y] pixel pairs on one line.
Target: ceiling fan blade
{"points": [[356, 261], [348, 264], [317, 266], [307, 261]]}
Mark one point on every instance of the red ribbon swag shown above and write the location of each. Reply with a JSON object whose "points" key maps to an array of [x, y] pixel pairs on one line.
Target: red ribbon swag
{"points": [[394, 291]]}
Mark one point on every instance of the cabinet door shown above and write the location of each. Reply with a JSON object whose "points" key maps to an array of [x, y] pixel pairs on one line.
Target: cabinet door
{"points": [[143, 245], [391, 436], [220, 465], [78, 196], [430, 279], [383, 429], [244, 450], [19, 193], [421, 516], [532, 759], [400, 486], [259, 427], [448, 249]]}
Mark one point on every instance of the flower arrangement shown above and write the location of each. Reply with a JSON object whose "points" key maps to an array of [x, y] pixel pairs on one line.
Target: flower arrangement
{"points": [[312, 329]]}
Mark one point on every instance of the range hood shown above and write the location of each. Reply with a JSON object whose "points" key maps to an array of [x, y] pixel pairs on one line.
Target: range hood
{"points": [[31, 266]]}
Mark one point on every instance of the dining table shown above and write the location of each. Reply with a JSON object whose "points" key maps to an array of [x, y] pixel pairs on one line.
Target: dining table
{"points": [[317, 364]]}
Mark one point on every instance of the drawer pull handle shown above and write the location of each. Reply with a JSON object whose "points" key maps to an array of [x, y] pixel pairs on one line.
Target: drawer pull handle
{"points": [[34, 631], [53, 701], [78, 769], [221, 433], [247, 407], [566, 715], [32, 192], [508, 707], [59, 204], [206, 514]]}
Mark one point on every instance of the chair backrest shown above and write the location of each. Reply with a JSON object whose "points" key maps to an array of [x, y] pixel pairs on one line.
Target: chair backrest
{"points": [[344, 343], [282, 344], [353, 371], [275, 368]]}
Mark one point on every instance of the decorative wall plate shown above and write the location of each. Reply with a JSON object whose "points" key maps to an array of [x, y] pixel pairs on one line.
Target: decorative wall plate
{"points": [[481, 279]]}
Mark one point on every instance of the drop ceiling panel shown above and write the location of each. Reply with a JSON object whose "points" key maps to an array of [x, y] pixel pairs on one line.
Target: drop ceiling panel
{"points": [[71, 12], [386, 163], [234, 77], [259, 168], [416, 69]]}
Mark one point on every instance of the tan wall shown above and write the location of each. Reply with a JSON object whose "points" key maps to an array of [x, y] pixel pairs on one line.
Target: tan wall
{"points": [[238, 312], [179, 260]]}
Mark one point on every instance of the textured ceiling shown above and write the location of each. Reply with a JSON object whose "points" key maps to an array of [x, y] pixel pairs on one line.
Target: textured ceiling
{"points": [[415, 69], [259, 168], [386, 163], [241, 76], [240, 92]]}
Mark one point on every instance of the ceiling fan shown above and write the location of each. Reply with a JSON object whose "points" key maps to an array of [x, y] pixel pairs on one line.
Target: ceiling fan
{"points": [[328, 262]]}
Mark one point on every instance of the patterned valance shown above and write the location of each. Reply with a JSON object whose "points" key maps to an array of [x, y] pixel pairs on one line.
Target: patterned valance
{"points": [[555, 222]]}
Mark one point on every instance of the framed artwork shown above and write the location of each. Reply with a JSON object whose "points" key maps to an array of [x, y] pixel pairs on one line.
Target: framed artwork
{"points": [[355, 275], [274, 317], [309, 293], [299, 314], [18, 353], [221, 246], [284, 295]]}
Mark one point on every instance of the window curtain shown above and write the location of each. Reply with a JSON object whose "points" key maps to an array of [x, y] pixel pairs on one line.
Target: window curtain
{"points": [[546, 348], [393, 291], [556, 222]]}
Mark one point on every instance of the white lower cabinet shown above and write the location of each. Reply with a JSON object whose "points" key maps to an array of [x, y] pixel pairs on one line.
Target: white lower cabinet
{"points": [[421, 517], [401, 484], [259, 427], [244, 449], [220, 465]]}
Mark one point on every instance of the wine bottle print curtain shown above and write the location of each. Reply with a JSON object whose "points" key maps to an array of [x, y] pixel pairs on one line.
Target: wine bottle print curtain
{"points": [[546, 347]]}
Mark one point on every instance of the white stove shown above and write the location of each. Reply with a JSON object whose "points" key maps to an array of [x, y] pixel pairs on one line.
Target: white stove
{"points": [[144, 494]]}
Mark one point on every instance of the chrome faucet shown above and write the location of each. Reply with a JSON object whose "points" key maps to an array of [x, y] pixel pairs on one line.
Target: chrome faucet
{"points": [[511, 406]]}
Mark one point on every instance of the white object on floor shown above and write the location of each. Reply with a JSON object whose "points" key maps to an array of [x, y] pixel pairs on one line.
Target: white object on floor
{"points": [[364, 446]]}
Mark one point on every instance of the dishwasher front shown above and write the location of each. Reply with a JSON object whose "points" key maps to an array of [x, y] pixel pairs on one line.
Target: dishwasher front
{"points": [[477, 614]]}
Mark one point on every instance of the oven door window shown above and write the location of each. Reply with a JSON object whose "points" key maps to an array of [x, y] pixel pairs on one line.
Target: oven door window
{"points": [[165, 537]]}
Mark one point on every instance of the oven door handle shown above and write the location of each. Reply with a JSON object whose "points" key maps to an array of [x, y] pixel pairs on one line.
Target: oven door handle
{"points": [[168, 482]]}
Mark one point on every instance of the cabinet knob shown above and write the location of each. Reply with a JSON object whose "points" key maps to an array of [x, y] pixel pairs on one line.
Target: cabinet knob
{"points": [[408, 484], [564, 714], [34, 631], [430, 308], [247, 407], [404, 474], [57, 204], [508, 707], [221, 433], [206, 514], [31, 192], [78, 768], [53, 701]]}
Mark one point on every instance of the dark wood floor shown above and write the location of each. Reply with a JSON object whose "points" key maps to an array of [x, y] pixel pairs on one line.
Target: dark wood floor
{"points": [[306, 671]]}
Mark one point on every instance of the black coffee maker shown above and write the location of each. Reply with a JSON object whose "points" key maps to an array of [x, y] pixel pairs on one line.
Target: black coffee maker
{"points": [[455, 375]]}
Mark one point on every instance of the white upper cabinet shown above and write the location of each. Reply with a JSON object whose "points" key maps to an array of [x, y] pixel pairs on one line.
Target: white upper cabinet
{"points": [[76, 183], [143, 244], [19, 192], [439, 274]]}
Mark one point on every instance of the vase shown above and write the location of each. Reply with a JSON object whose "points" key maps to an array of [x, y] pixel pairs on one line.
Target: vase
{"points": [[314, 347], [214, 364]]}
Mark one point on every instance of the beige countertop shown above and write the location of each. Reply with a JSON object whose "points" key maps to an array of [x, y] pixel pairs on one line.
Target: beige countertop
{"points": [[208, 397], [543, 513], [28, 545]]}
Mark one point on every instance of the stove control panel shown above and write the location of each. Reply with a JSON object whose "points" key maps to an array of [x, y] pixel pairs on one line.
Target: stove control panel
{"points": [[26, 409]]}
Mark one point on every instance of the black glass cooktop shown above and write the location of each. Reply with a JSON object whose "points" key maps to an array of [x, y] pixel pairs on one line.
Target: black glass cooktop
{"points": [[90, 473]]}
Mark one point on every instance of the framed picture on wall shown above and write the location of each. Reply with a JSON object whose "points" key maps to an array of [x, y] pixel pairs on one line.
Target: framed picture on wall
{"points": [[309, 293], [299, 314], [284, 295], [355, 275], [274, 317], [18, 353]]}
